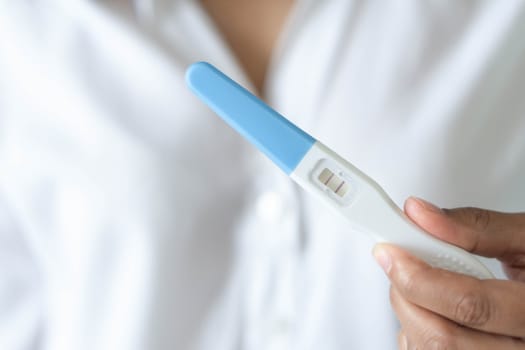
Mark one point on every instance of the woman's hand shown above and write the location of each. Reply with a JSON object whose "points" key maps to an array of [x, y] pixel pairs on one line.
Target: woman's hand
{"points": [[439, 309]]}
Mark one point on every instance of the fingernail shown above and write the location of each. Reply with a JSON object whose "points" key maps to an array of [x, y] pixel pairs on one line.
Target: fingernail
{"points": [[426, 205], [383, 258]]}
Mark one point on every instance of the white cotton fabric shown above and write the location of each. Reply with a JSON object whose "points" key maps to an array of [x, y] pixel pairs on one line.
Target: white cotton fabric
{"points": [[131, 217]]}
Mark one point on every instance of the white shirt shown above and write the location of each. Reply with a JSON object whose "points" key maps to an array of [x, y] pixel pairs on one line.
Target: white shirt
{"points": [[133, 218]]}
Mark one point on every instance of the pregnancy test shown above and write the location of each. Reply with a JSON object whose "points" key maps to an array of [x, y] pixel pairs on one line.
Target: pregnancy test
{"points": [[323, 173]]}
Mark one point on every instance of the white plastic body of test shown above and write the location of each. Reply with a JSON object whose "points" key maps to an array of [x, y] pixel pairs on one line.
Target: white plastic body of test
{"points": [[370, 210]]}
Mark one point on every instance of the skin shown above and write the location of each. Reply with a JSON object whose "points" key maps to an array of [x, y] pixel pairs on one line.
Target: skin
{"points": [[438, 309], [251, 28]]}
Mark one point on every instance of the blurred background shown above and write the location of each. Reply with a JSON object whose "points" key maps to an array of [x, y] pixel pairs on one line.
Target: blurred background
{"points": [[131, 217]]}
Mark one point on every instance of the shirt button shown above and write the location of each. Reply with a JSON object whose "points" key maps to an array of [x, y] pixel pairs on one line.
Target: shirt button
{"points": [[281, 327], [270, 206], [280, 336]]}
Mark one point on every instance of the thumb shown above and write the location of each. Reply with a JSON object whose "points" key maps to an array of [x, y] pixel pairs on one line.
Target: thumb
{"points": [[483, 232]]}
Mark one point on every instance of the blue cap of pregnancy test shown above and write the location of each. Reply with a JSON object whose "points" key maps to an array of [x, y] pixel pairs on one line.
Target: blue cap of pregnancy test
{"points": [[283, 142]]}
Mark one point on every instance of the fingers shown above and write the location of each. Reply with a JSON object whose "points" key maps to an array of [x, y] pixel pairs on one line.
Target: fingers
{"points": [[423, 329], [514, 266], [490, 305], [483, 232]]}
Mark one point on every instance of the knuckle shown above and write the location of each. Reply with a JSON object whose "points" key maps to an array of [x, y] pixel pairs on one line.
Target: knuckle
{"points": [[438, 343], [441, 338], [473, 309], [410, 282], [480, 218]]}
